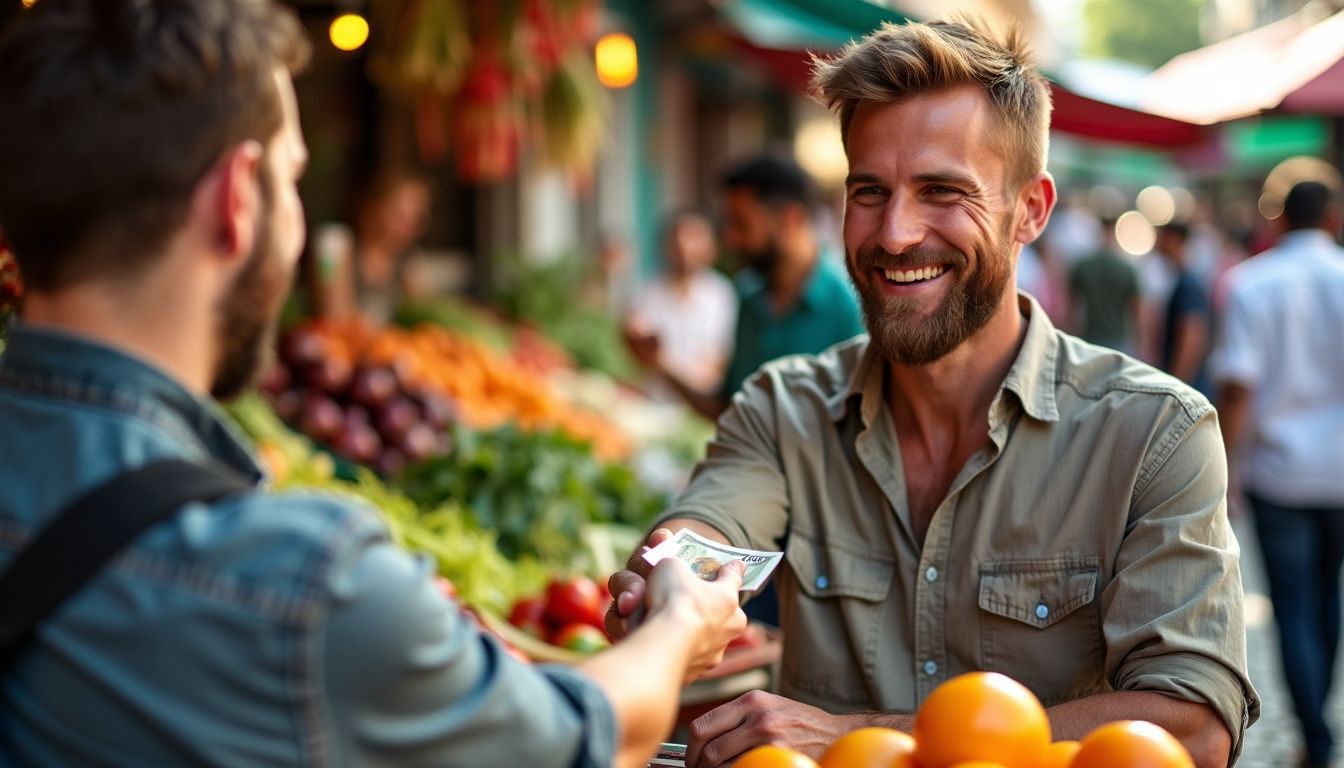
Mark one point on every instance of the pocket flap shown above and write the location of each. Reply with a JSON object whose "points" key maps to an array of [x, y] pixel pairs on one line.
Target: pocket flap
{"points": [[1037, 593], [837, 572]]}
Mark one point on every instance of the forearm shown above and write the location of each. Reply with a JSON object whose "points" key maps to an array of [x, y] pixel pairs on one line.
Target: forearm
{"points": [[641, 677], [1188, 352], [1233, 409], [1196, 725], [706, 403]]}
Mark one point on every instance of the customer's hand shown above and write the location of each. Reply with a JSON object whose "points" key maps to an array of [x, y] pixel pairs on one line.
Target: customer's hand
{"points": [[627, 589], [709, 610]]}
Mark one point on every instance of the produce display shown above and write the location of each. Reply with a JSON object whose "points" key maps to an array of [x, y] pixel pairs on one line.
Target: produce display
{"points": [[389, 397], [537, 490], [985, 720], [464, 552]]}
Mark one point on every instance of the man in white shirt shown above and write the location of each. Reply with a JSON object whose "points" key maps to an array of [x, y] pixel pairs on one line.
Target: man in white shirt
{"points": [[1280, 369], [689, 311]]}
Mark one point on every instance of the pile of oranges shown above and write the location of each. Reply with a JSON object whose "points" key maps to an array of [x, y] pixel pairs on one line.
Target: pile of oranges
{"points": [[985, 720]]}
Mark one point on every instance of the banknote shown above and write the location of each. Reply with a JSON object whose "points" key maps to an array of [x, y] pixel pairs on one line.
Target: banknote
{"points": [[706, 557]]}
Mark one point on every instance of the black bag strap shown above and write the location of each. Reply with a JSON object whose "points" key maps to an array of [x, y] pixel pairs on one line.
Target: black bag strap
{"points": [[83, 537]]}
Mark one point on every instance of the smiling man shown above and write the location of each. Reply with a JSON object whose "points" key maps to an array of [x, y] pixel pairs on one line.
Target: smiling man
{"points": [[968, 488]]}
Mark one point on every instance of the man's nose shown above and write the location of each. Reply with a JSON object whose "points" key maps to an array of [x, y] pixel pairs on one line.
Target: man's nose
{"points": [[902, 225]]}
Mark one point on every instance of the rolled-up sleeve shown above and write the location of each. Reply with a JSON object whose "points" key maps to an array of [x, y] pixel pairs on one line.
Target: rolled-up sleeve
{"points": [[410, 680], [1172, 614], [739, 488]]}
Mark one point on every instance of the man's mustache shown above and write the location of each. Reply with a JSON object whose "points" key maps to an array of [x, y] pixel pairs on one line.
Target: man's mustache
{"points": [[917, 256]]}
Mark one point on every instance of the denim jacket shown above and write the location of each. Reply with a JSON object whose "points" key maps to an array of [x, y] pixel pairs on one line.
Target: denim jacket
{"points": [[265, 629]]}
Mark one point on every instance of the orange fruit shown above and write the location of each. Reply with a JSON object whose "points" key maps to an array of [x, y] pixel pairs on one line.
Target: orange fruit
{"points": [[770, 756], [976, 764], [1131, 744], [981, 716], [1060, 754], [871, 748]]}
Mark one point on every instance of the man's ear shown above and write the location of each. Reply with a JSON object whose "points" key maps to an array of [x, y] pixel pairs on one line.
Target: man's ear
{"points": [[1036, 200], [229, 198]]}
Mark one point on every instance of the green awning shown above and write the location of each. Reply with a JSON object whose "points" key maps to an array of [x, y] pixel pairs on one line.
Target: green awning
{"points": [[805, 24]]}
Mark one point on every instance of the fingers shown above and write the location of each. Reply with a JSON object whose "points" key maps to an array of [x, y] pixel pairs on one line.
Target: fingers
{"points": [[732, 574], [628, 588], [710, 726]]}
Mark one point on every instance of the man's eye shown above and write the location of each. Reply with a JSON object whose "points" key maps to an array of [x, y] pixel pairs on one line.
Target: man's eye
{"points": [[942, 189], [869, 191]]}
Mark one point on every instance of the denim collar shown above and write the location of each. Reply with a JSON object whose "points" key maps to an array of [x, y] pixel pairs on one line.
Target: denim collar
{"points": [[67, 367]]}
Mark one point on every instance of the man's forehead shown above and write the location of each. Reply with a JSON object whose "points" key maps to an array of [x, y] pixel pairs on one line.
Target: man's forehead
{"points": [[955, 125]]}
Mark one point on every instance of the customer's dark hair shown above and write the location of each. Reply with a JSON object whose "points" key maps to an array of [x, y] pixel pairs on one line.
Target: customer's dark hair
{"points": [[772, 180], [1306, 205], [113, 112]]}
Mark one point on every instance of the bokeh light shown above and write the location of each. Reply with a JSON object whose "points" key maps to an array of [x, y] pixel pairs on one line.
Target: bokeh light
{"points": [[1156, 204], [1185, 203], [29, 3], [1135, 233], [1290, 172], [349, 31], [818, 149], [617, 60]]}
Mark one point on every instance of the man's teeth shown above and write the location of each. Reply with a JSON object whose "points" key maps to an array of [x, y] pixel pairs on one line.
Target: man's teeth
{"points": [[913, 275]]}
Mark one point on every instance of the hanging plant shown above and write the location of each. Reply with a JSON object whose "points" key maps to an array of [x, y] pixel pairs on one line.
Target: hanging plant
{"points": [[485, 80], [571, 113]]}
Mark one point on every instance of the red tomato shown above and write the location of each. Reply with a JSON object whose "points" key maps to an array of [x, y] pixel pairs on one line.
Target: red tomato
{"points": [[583, 638], [575, 599], [529, 615]]}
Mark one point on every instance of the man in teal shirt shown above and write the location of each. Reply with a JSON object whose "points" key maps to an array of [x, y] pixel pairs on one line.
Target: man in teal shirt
{"points": [[793, 300]]}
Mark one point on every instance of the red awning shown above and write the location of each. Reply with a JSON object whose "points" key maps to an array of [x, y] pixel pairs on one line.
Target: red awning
{"points": [[1094, 119], [1074, 114], [1293, 65]]}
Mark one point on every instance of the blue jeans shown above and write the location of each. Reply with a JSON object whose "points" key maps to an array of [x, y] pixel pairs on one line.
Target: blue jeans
{"points": [[1303, 549]]}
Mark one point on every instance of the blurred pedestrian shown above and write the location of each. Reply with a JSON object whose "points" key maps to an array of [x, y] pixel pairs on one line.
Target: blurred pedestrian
{"points": [[393, 214], [792, 299], [1104, 298], [1280, 371], [1184, 342], [687, 313]]}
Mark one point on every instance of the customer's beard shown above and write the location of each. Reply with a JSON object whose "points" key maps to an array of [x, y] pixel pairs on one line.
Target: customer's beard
{"points": [[249, 312], [898, 329]]}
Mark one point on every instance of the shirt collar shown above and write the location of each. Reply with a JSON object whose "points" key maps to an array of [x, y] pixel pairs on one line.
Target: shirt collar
{"points": [[1315, 239], [45, 354], [1031, 378]]}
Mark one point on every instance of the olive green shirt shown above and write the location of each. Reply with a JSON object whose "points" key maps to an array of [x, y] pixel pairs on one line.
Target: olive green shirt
{"points": [[1085, 549]]}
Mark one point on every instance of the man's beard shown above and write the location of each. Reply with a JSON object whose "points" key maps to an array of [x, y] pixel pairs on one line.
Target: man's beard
{"points": [[896, 325], [249, 312]]}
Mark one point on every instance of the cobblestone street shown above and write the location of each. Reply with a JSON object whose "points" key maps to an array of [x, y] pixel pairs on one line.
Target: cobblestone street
{"points": [[1274, 741]]}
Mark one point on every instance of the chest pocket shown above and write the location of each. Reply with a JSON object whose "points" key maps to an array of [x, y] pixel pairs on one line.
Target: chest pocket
{"points": [[1040, 625], [831, 615]]}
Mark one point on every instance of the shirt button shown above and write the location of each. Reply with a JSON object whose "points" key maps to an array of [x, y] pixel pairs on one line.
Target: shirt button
{"points": [[931, 574], [930, 668], [823, 582], [1042, 611]]}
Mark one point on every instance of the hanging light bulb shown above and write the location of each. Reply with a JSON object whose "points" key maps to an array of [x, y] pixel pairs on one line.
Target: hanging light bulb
{"points": [[617, 60], [349, 31]]}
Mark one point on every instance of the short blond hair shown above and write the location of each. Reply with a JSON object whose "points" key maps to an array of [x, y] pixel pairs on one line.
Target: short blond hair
{"points": [[900, 61]]}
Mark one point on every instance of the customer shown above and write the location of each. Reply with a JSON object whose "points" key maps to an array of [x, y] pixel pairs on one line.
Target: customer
{"points": [[1280, 373], [151, 152]]}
